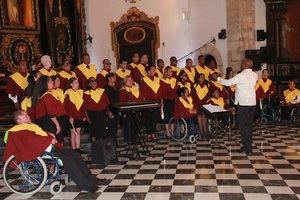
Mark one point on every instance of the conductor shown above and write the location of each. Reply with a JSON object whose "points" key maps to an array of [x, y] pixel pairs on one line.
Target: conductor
{"points": [[245, 99]]}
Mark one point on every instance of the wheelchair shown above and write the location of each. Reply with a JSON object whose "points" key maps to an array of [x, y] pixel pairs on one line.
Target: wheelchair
{"points": [[182, 128], [291, 117], [28, 177], [268, 113]]}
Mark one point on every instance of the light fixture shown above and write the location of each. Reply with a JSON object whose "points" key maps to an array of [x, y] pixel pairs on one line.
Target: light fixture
{"points": [[89, 38], [131, 1], [185, 15]]}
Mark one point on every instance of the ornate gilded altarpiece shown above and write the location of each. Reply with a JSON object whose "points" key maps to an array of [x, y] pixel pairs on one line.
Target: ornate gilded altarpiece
{"points": [[135, 32]]}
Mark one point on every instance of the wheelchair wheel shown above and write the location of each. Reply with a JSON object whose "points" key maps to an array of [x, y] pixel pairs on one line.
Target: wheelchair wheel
{"points": [[193, 138], [263, 120], [178, 128], [212, 126], [25, 178], [55, 187]]}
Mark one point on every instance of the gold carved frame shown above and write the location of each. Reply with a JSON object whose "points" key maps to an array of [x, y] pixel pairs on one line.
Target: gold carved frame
{"points": [[133, 15]]}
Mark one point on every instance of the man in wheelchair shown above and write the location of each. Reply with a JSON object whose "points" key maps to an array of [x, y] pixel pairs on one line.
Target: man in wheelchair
{"points": [[27, 141], [290, 101]]}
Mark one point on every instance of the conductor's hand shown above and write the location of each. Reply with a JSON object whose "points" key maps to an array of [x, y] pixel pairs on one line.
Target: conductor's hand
{"points": [[54, 141], [219, 79]]}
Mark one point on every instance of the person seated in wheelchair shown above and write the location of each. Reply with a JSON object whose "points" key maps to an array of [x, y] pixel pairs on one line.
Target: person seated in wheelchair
{"points": [[185, 108], [290, 100], [265, 93], [26, 141]]}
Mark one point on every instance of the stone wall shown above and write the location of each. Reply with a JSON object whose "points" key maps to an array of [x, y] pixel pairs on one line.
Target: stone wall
{"points": [[240, 30]]}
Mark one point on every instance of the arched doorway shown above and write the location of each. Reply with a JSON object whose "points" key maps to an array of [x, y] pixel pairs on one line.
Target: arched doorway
{"points": [[135, 32]]}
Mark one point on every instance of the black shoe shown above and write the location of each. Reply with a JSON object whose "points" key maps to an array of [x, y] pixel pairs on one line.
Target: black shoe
{"points": [[249, 153], [94, 188], [80, 151]]}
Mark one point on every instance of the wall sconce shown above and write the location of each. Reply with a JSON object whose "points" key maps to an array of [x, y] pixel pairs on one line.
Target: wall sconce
{"points": [[185, 15], [89, 38], [222, 34]]}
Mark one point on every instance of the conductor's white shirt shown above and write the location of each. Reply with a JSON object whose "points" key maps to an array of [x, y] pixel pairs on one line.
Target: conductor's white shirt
{"points": [[245, 87]]}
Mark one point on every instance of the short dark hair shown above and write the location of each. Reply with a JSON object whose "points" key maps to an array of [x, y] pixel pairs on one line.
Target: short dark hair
{"points": [[85, 54]]}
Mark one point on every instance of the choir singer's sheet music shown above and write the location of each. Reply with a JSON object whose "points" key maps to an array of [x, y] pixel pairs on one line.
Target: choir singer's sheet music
{"points": [[214, 109]]}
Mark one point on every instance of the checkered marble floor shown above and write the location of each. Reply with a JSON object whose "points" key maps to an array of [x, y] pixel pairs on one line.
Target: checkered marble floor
{"points": [[180, 170]]}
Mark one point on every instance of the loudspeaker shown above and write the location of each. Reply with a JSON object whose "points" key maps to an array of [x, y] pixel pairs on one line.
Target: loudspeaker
{"points": [[222, 34], [261, 35], [254, 55]]}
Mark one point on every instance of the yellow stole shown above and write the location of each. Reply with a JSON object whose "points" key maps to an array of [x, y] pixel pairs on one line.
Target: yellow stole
{"points": [[122, 73], [190, 74], [26, 103], [76, 97], [187, 85], [133, 65], [218, 85], [67, 75], [211, 71], [290, 96], [256, 86], [187, 104], [59, 93], [171, 81], [30, 127], [134, 90], [104, 73], [45, 72], [159, 74], [88, 72], [175, 69], [142, 69], [51, 94], [264, 85], [219, 101], [201, 91], [204, 71], [153, 84], [95, 94], [20, 80]]}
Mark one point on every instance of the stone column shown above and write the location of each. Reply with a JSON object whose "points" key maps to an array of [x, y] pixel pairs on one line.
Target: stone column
{"points": [[240, 30]]}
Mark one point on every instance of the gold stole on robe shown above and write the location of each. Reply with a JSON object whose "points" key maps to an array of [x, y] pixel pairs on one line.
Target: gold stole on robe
{"points": [[190, 74], [264, 85], [133, 65], [187, 103], [153, 84], [134, 90], [95, 94], [187, 85], [76, 97], [170, 81], [204, 71], [67, 75], [218, 85], [51, 94], [122, 73], [175, 69], [88, 72], [142, 69], [45, 72], [20, 80], [26, 103], [59, 93], [104, 73], [30, 127], [201, 91], [159, 74], [219, 101], [290, 96]]}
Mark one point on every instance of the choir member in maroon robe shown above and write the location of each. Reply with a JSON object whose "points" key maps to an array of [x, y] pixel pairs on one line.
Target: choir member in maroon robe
{"points": [[190, 71], [140, 70], [184, 105], [26, 141], [101, 77], [17, 83], [151, 90], [182, 81], [173, 65], [135, 61], [47, 70], [215, 85], [130, 92], [48, 108], [96, 104], [160, 68], [169, 94], [121, 73], [65, 74], [75, 110], [200, 94], [84, 71]]}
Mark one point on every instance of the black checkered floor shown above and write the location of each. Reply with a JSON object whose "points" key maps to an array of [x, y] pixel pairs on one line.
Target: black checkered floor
{"points": [[179, 170]]}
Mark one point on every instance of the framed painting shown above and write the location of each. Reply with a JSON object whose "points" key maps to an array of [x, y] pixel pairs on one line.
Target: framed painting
{"points": [[19, 14]]}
